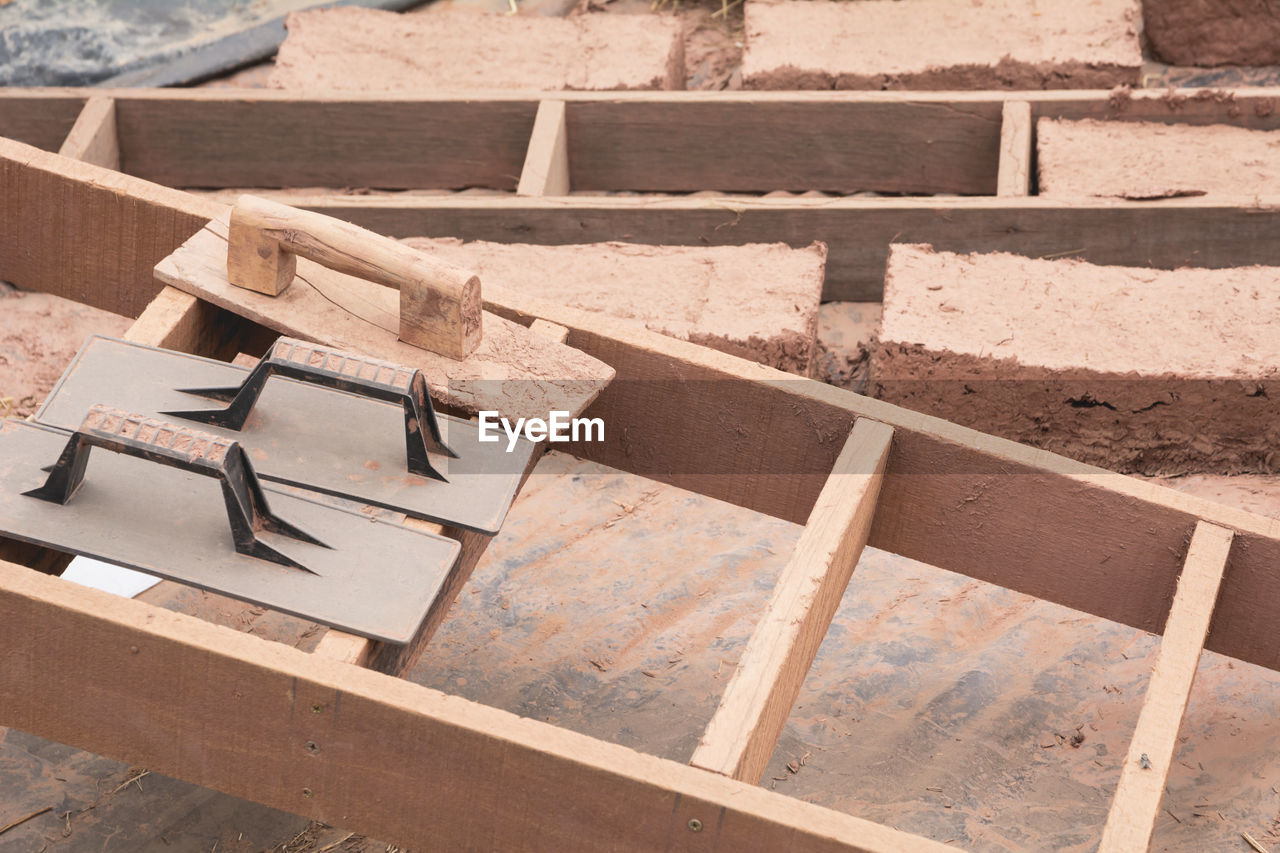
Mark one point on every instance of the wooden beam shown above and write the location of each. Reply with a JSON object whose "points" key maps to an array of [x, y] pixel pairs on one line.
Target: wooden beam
{"points": [[39, 117], [761, 144], [396, 143], [93, 137], [88, 233], [1136, 804], [352, 748], [1015, 149], [755, 706], [1167, 234], [340, 646], [546, 164]]}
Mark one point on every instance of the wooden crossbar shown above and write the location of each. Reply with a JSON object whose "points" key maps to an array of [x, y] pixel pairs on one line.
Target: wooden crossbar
{"points": [[1016, 137], [93, 138], [546, 163], [1136, 804], [745, 729]]}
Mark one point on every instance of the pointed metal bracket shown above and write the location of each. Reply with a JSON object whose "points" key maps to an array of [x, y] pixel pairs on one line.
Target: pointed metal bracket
{"points": [[178, 447], [360, 375]]}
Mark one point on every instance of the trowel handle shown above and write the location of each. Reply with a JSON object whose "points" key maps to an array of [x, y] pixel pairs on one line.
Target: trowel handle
{"points": [[178, 447], [355, 374], [440, 304]]}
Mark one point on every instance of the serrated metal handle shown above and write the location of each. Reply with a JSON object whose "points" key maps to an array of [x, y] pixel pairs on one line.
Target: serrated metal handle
{"points": [[333, 368], [181, 447]]}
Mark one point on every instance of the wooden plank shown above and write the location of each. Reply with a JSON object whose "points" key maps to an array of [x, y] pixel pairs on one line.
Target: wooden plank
{"points": [[1150, 101], [546, 164], [347, 648], [247, 141], [549, 330], [1015, 149], [756, 144], [1166, 234], [754, 708], [88, 233], [399, 660], [1146, 768], [93, 138], [39, 117], [952, 497], [376, 755]]}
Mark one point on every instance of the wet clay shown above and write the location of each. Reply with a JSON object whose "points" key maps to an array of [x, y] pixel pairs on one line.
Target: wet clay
{"points": [[1138, 370], [367, 50], [30, 364], [758, 301], [941, 44], [1150, 160], [1213, 32]]}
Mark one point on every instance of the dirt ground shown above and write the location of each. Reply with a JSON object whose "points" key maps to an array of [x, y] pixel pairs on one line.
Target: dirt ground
{"points": [[938, 704]]}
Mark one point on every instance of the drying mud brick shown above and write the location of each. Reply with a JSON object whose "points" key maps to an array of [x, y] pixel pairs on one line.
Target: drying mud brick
{"points": [[1137, 370], [757, 301], [941, 44], [1150, 160], [1213, 32], [367, 50]]}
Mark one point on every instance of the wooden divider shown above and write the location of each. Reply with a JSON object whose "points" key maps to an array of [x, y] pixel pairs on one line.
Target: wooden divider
{"points": [[546, 163], [1146, 767], [745, 729], [93, 137], [1016, 137]]}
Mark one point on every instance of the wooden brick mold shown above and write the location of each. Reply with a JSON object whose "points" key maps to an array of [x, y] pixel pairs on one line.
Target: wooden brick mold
{"points": [[83, 667], [539, 166]]}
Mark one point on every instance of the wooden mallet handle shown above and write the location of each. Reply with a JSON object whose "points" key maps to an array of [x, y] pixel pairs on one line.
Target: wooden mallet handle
{"points": [[440, 304]]}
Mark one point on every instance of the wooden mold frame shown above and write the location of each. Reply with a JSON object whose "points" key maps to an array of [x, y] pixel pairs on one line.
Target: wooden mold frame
{"points": [[955, 169], [322, 736]]}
